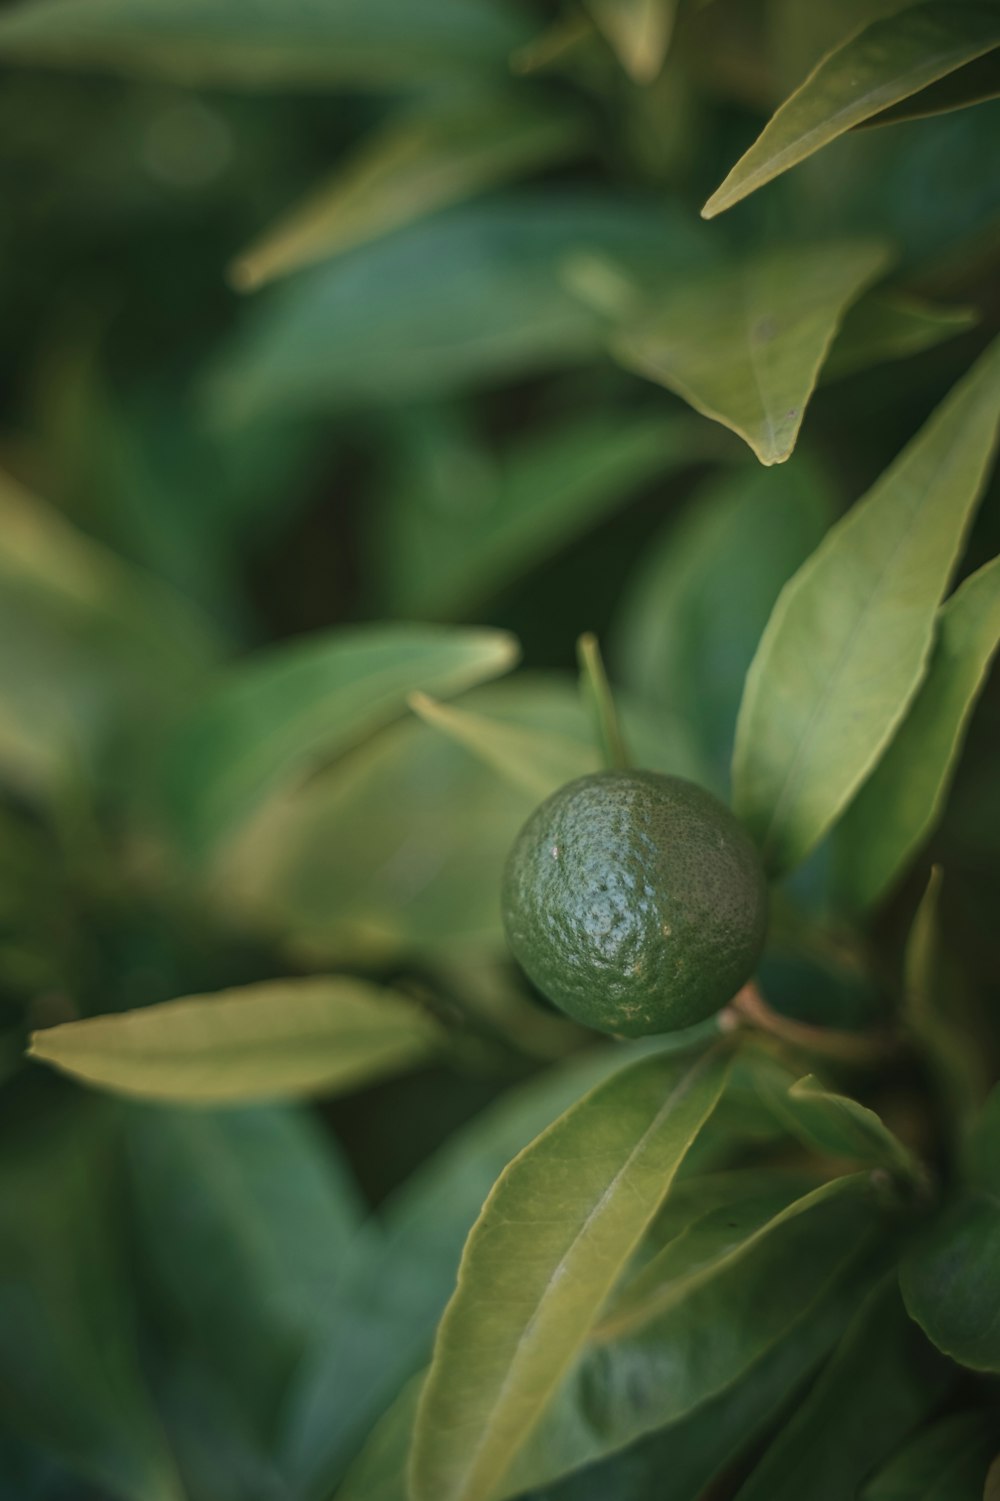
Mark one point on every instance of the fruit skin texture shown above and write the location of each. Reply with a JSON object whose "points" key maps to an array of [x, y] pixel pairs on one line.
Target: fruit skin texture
{"points": [[636, 902]]}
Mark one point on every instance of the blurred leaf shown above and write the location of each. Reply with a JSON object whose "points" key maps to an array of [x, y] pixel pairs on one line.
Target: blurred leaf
{"points": [[278, 1038], [69, 1369], [531, 760], [472, 295], [399, 850], [396, 1283], [849, 638], [245, 1217], [935, 1016], [580, 1198], [89, 647], [842, 1127], [892, 325], [882, 1380], [902, 801], [276, 717], [890, 60], [947, 1462], [975, 83], [432, 155], [697, 604], [458, 523], [745, 344], [992, 1491], [595, 690], [639, 32], [696, 1321], [379, 1473], [269, 45]]}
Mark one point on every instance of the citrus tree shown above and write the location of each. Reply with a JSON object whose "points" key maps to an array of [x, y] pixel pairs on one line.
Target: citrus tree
{"points": [[436, 1065]]}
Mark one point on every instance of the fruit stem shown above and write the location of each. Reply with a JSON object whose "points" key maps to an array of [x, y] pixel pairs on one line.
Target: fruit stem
{"points": [[748, 1008], [597, 692]]}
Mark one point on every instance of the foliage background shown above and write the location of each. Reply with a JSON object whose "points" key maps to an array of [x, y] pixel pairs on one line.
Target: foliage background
{"points": [[321, 316]]}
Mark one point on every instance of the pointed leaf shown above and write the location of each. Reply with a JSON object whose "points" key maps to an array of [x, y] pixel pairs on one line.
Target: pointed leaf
{"points": [[892, 325], [70, 1378], [744, 345], [880, 1383], [901, 802], [296, 43], [284, 713], [947, 1462], [533, 760], [415, 164], [279, 1038], [833, 1124], [578, 1200], [639, 31], [890, 60], [849, 638]]}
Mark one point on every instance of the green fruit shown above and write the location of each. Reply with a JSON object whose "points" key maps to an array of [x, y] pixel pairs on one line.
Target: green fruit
{"points": [[635, 901]]}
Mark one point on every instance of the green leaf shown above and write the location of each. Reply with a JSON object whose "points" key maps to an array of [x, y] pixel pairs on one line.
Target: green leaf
{"points": [[639, 31], [892, 325], [474, 294], [697, 1318], [901, 802], [458, 522], [89, 648], [397, 1283], [596, 693], [975, 83], [532, 760], [992, 1491], [245, 1217], [936, 1014], [698, 602], [278, 1038], [949, 1281], [580, 1198], [69, 1369], [400, 849], [947, 1462], [849, 638], [744, 344], [294, 44], [282, 714], [880, 1383], [435, 154], [890, 60]]}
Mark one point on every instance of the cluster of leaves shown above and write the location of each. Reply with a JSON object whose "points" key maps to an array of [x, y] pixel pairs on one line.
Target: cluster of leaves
{"points": [[238, 873]]}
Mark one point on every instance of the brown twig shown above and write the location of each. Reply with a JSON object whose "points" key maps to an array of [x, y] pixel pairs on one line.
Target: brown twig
{"points": [[748, 1008]]}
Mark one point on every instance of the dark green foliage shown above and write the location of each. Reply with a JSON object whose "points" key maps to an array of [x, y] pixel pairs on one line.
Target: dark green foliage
{"points": [[366, 364]]}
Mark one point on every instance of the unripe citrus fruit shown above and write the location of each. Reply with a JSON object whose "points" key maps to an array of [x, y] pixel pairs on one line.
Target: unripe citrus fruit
{"points": [[636, 902]]}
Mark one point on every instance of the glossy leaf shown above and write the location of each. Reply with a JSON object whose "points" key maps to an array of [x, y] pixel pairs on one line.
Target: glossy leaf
{"points": [[458, 522], [249, 1267], [892, 325], [580, 1198], [888, 61], [426, 158], [880, 1383], [221, 42], [695, 608], [699, 1317], [901, 802], [70, 1377], [639, 31], [947, 1462], [849, 638], [473, 295], [744, 344], [275, 1039], [279, 716], [396, 1284]]}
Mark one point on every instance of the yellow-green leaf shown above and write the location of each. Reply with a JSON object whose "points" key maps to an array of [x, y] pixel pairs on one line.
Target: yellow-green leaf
{"points": [[901, 802], [891, 325], [416, 163], [888, 61], [534, 760], [848, 641], [554, 1234], [639, 31], [744, 344], [277, 1039]]}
